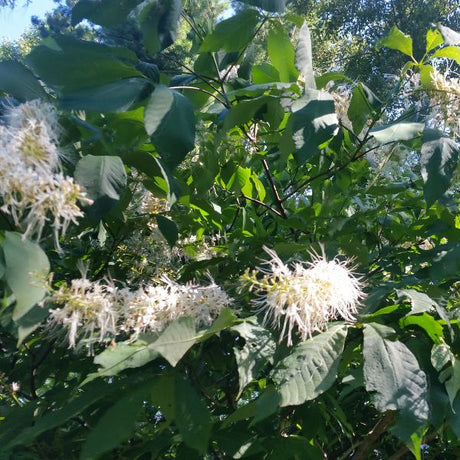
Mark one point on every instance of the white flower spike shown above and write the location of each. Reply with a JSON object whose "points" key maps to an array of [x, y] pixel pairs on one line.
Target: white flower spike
{"points": [[307, 297]]}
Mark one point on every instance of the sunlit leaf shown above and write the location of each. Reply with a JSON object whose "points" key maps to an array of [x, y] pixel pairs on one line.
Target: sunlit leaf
{"points": [[311, 367]]}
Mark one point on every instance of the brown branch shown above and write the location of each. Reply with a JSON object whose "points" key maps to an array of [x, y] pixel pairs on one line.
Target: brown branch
{"points": [[380, 427], [265, 205]]}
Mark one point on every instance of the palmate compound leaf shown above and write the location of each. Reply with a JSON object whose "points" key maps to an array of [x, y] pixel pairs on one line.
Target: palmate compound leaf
{"points": [[258, 349], [311, 368], [393, 375]]}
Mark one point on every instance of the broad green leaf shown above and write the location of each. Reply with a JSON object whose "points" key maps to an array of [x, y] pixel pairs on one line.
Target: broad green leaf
{"points": [[19, 82], [450, 52], [420, 301], [226, 319], [267, 404], [314, 122], [244, 111], [55, 418], [264, 73], [393, 375], [176, 340], [118, 96], [170, 122], [433, 39], [445, 260], [282, 53], [103, 177], [438, 162], [404, 131], [426, 75], [451, 379], [192, 417], [232, 34], [168, 229], [311, 367], [432, 327], [324, 79], [102, 12], [451, 37], [441, 355], [359, 109], [397, 40], [275, 6], [304, 57], [69, 64], [115, 425], [123, 356], [257, 351], [158, 20], [26, 272]]}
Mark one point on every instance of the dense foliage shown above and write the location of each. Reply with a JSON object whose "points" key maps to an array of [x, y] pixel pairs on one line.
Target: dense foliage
{"points": [[222, 257]]}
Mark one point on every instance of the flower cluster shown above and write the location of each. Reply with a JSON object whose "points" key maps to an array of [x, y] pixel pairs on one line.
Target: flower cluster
{"points": [[95, 311], [304, 297], [445, 100], [33, 188]]}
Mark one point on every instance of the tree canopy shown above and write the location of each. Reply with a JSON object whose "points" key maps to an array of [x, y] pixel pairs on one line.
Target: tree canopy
{"points": [[208, 249]]}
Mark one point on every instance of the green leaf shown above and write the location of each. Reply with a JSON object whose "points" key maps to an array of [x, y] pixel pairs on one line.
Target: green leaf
{"points": [[311, 367], [275, 6], [393, 375], [404, 131], [244, 111], [176, 340], [55, 418], [426, 75], [449, 52], [438, 162], [359, 109], [282, 53], [118, 96], [69, 64], [19, 82], [397, 40], [226, 319], [168, 229], [103, 177], [257, 351], [192, 417], [264, 73], [102, 12], [115, 425], [124, 356], [432, 327], [433, 39], [441, 355], [170, 121], [26, 272], [420, 301], [158, 21], [304, 57], [232, 34], [314, 122]]}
